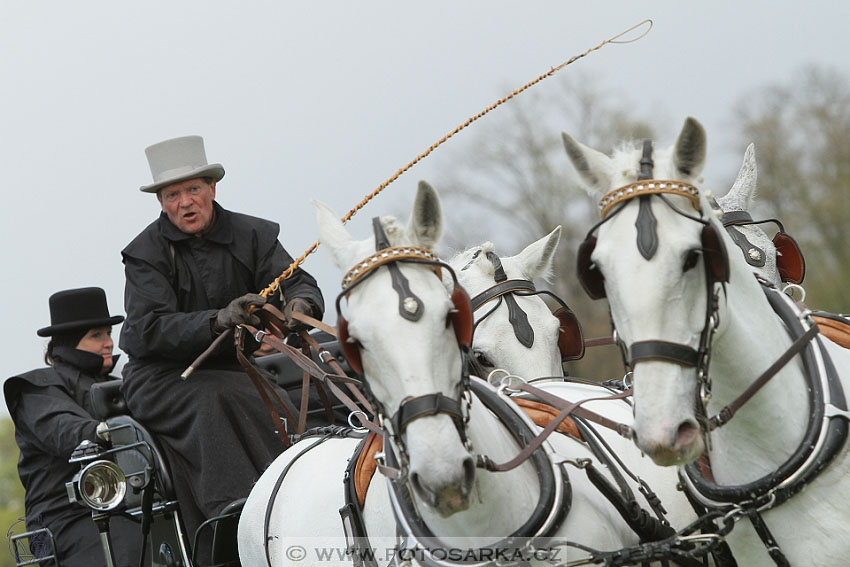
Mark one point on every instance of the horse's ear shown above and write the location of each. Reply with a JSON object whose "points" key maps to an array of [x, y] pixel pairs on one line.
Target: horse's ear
{"points": [[333, 235], [740, 196], [690, 149], [594, 167], [535, 260], [426, 218]]}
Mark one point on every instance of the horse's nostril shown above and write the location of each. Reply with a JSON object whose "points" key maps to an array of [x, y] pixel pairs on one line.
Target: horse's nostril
{"points": [[424, 492], [687, 433], [468, 474]]}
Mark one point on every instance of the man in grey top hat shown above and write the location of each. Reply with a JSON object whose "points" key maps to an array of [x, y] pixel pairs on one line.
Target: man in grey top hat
{"points": [[190, 275]]}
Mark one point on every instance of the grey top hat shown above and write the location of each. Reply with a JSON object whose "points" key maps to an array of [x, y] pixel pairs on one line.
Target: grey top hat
{"points": [[179, 159]]}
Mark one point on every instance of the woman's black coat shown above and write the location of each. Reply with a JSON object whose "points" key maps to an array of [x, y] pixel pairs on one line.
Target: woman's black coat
{"points": [[52, 414]]}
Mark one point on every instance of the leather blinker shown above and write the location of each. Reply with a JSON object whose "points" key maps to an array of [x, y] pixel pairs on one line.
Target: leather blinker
{"points": [[570, 338], [789, 259], [349, 347], [717, 261], [589, 276]]}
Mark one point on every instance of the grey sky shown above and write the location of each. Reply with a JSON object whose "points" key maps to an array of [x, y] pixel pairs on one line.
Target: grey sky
{"points": [[318, 100]]}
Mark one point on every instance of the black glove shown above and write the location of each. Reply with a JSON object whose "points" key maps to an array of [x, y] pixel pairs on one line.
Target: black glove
{"points": [[236, 313], [297, 305]]}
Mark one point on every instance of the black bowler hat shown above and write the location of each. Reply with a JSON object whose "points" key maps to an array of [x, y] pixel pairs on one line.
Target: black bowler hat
{"points": [[78, 309]]}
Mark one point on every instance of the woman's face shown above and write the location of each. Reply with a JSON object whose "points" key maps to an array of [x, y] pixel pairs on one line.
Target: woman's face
{"points": [[99, 341]]}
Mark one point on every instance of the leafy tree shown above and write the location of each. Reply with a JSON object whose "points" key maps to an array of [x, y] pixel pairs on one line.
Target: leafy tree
{"points": [[801, 131]]}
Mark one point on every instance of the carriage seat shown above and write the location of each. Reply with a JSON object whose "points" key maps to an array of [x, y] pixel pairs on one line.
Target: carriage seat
{"points": [[107, 400]]}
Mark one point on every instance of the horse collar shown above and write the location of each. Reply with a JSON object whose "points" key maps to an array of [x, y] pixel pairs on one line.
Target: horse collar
{"points": [[825, 437], [417, 540]]}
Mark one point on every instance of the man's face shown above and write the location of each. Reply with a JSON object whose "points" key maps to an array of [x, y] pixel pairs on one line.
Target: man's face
{"points": [[189, 204]]}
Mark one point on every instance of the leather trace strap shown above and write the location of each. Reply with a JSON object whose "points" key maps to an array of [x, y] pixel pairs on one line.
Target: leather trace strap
{"points": [[264, 388], [558, 402], [567, 409], [329, 380]]}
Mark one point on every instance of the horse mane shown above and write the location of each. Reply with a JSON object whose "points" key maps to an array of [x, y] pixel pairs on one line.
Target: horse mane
{"points": [[473, 257], [395, 230]]}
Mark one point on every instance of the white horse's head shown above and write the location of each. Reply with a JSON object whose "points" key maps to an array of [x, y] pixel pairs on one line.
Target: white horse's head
{"points": [[656, 254], [527, 348], [399, 322]]}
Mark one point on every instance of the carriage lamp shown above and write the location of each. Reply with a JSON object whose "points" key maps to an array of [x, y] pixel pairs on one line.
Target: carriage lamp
{"points": [[100, 485]]}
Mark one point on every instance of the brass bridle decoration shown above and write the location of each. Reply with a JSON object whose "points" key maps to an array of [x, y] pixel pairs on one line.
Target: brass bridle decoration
{"points": [[648, 187]]}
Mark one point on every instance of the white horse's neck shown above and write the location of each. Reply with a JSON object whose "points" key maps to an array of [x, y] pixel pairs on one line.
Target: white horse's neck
{"points": [[770, 426]]}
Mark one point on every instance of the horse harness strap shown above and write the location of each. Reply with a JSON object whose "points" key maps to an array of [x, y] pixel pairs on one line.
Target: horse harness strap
{"points": [[790, 262], [325, 434], [583, 413], [683, 354], [728, 411], [571, 344], [500, 289], [504, 289], [825, 437], [567, 408]]}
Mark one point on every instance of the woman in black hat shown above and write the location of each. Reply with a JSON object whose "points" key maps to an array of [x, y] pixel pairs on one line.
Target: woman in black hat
{"points": [[51, 410]]}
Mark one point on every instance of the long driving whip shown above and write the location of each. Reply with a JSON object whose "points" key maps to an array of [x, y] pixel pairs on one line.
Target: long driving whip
{"points": [[275, 285]]}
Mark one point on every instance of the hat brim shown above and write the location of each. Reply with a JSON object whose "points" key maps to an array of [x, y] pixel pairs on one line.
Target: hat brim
{"points": [[214, 170], [77, 325]]}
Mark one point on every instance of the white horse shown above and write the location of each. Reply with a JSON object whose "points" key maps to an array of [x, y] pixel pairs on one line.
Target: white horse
{"points": [[540, 358], [441, 499], [679, 301]]}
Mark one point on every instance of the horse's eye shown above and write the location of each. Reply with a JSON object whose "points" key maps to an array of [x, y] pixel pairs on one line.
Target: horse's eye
{"points": [[482, 359], [691, 260]]}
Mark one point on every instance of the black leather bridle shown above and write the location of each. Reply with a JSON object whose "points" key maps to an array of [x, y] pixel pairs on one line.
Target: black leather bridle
{"points": [[411, 308], [570, 338], [715, 261]]}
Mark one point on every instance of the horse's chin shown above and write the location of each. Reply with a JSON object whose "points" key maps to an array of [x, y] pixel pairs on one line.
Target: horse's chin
{"points": [[451, 503], [448, 501], [666, 456]]}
